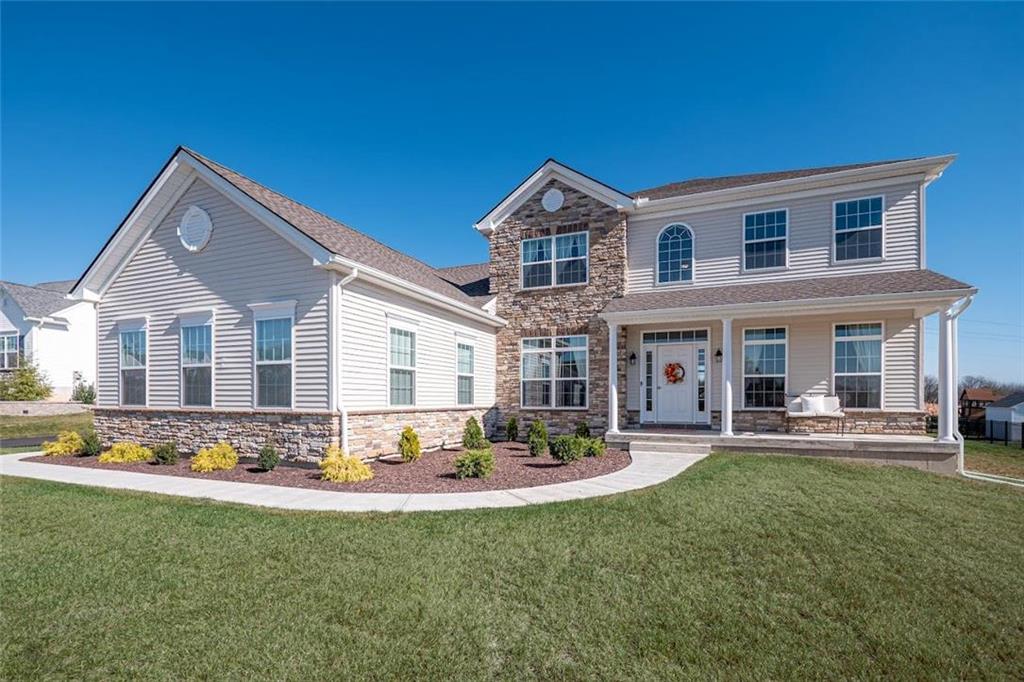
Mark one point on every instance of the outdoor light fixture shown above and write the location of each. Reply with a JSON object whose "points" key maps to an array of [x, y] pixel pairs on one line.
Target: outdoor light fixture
{"points": [[718, 355], [632, 359]]}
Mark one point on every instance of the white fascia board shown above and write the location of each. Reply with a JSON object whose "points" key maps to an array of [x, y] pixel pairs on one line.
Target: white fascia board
{"points": [[284, 229], [918, 170], [552, 170], [415, 291], [922, 302], [55, 321]]}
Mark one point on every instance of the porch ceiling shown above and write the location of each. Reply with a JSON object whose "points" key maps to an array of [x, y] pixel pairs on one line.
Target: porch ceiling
{"points": [[922, 289]]}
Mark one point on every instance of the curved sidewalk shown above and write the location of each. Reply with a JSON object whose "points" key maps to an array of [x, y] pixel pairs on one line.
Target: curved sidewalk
{"points": [[646, 469]]}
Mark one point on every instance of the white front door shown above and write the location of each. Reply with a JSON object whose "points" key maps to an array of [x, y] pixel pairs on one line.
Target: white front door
{"points": [[674, 402]]}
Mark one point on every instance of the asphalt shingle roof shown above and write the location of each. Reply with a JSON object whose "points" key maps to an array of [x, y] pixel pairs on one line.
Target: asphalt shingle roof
{"points": [[36, 301], [60, 285], [698, 185], [900, 282], [474, 279], [1010, 400], [339, 238]]}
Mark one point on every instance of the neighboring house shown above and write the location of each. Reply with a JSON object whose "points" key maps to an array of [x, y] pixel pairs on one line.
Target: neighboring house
{"points": [[225, 307], [973, 402], [1004, 417], [40, 322]]}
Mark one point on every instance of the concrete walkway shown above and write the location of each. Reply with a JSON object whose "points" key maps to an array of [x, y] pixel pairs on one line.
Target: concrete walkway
{"points": [[645, 470]]}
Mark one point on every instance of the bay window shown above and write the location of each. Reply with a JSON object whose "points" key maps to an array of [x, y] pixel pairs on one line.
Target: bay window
{"points": [[554, 372]]}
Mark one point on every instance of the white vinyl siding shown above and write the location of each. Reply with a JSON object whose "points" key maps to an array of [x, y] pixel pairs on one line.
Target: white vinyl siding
{"points": [[245, 262], [365, 324], [719, 240]]}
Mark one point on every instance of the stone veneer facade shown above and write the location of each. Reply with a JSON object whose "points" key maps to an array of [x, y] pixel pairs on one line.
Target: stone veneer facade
{"points": [[375, 434], [559, 311], [857, 421]]}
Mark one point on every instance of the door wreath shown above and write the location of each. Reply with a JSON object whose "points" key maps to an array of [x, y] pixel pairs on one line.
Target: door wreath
{"points": [[674, 373]]}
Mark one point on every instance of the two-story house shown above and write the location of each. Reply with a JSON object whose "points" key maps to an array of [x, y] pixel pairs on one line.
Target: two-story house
{"points": [[777, 302]]}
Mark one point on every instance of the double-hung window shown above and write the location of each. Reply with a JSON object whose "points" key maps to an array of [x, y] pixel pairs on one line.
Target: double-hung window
{"points": [[464, 373], [133, 354], [764, 367], [9, 351], [764, 239], [274, 362], [196, 363], [858, 228], [857, 365], [554, 372], [560, 260], [402, 366]]}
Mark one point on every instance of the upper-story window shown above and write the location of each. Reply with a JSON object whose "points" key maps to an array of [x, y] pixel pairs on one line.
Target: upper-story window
{"points": [[675, 254], [764, 239], [858, 229], [555, 261]]}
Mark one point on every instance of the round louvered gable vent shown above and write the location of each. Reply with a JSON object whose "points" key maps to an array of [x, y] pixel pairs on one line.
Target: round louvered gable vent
{"points": [[195, 228]]}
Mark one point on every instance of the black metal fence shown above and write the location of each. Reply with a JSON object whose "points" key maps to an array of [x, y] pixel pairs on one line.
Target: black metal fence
{"points": [[1003, 432]]}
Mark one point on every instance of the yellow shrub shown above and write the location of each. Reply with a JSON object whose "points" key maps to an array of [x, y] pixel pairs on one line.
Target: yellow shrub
{"points": [[67, 443], [126, 452], [342, 468], [220, 457]]}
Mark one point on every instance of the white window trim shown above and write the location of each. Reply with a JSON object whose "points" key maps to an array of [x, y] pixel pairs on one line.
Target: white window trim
{"points": [[554, 262], [395, 322], [693, 258], [462, 341], [273, 310], [197, 318], [881, 395], [835, 232], [553, 379], [131, 325], [743, 236], [743, 364], [18, 350]]}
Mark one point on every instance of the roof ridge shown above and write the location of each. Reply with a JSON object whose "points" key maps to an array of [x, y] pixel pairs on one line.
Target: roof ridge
{"points": [[464, 265], [208, 160]]}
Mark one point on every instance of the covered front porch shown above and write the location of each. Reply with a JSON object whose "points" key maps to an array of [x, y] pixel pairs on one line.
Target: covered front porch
{"points": [[844, 371]]}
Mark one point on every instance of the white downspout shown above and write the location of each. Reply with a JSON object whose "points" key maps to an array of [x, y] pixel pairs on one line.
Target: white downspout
{"points": [[954, 312], [337, 360]]}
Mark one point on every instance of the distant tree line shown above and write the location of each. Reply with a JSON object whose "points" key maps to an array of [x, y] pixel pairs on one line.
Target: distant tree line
{"points": [[931, 386]]}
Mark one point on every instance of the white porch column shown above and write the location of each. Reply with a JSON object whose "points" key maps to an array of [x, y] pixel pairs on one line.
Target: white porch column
{"points": [[613, 377], [726, 377], [947, 380]]}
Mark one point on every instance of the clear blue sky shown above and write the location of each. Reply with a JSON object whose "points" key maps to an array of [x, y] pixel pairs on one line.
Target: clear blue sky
{"points": [[410, 121]]}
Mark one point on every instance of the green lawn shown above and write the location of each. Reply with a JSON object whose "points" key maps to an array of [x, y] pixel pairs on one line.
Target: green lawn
{"points": [[743, 566], [994, 458], [24, 427]]}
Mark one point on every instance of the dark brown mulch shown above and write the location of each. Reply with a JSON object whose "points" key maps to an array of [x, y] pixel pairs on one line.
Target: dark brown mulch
{"points": [[434, 473]]}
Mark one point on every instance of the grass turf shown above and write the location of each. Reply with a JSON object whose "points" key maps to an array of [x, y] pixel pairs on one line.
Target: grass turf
{"points": [[994, 458], [744, 566], [25, 427]]}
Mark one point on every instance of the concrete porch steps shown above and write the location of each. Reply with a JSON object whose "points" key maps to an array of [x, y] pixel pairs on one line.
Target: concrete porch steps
{"points": [[674, 447]]}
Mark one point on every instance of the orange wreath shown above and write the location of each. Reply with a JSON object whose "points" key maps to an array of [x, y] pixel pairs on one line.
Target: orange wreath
{"points": [[674, 373]]}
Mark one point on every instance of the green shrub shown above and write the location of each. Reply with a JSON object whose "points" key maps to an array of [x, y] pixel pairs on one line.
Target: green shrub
{"points": [[583, 430], [512, 429], [67, 443], [166, 453], [537, 438], [474, 464], [91, 445], [126, 453], [341, 468], [409, 445], [221, 457], [567, 449], [84, 393], [27, 382], [594, 448], [473, 435], [268, 458]]}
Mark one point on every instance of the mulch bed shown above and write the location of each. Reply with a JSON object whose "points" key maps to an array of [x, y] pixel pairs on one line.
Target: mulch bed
{"points": [[433, 473]]}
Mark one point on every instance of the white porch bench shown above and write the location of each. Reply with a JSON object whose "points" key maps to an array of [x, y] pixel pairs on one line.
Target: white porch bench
{"points": [[816, 406]]}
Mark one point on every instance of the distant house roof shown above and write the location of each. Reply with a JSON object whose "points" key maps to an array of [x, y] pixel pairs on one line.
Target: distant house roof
{"points": [[339, 238], [795, 290], [63, 286], [474, 279], [1011, 400], [37, 301], [979, 394], [698, 185]]}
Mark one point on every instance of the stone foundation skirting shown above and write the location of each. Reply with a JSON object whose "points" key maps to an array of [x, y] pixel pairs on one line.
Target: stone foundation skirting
{"points": [[375, 434], [297, 436], [857, 421]]}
